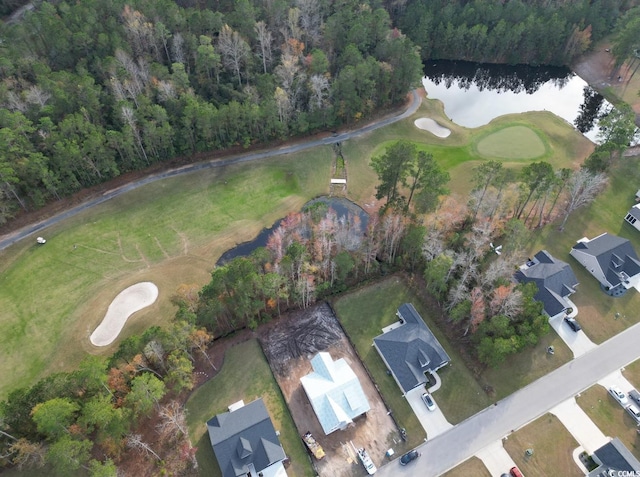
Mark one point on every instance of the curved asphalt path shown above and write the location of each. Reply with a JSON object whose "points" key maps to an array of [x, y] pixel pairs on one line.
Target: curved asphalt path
{"points": [[456, 445], [13, 237]]}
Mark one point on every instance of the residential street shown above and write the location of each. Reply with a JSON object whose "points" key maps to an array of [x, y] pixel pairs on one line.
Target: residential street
{"points": [[492, 424]]}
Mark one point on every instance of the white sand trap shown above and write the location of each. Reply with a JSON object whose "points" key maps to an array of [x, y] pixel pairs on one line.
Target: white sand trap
{"points": [[128, 301], [432, 126]]}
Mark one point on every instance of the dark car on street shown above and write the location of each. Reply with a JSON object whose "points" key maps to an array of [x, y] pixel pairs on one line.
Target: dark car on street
{"points": [[409, 456], [573, 324]]}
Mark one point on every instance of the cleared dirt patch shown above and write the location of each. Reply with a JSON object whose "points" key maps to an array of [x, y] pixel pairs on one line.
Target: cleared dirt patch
{"points": [[289, 344]]}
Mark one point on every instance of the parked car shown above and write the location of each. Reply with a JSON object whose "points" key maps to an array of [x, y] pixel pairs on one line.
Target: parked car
{"points": [[409, 456], [618, 395], [635, 396], [515, 472], [428, 401], [573, 324], [634, 412]]}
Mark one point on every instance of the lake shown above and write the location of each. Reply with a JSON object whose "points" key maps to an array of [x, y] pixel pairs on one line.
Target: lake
{"points": [[473, 94]]}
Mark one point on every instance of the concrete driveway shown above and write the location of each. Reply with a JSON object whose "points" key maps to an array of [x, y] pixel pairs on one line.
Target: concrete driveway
{"points": [[434, 422], [466, 439], [496, 459], [578, 342], [616, 379], [581, 427]]}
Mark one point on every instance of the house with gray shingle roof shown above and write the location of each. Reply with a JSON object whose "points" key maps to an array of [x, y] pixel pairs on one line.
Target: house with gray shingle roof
{"points": [[611, 260], [555, 281], [409, 349], [335, 392], [614, 458], [633, 216], [245, 442]]}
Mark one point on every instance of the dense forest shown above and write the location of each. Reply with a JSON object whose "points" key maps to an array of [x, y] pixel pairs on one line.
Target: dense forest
{"points": [[542, 32], [92, 89]]}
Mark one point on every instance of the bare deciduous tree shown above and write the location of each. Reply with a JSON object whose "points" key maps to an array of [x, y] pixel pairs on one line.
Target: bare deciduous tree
{"points": [[177, 48], [134, 441], [139, 31], [200, 339], [36, 95], [310, 19], [582, 188], [291, 78], [265, 41], [234, 50], [173, 417], [27, 454], [319, 86]]}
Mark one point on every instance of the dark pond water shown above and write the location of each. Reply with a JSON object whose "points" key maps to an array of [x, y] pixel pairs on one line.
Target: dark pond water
{"points": [[342, 207], [473, 94]]}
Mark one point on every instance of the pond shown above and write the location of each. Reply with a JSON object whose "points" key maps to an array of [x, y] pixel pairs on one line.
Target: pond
{"points": [[342, 207], [473, 94]]}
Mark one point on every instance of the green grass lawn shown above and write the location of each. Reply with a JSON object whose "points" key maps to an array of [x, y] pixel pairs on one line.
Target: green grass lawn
{"points": [[245, 375], [365, 312], [469, 468], [527, 366], [632, 373], [552, 446], [601, 316], [169, 232], [513, 142], [610, 418]]}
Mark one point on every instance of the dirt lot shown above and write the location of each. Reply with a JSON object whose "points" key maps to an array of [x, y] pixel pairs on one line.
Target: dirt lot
{"points": [[598, 69], [289, 345]]}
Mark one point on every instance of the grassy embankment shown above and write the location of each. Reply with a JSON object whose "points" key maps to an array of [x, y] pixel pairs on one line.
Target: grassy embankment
{"points": [[245, 376]]}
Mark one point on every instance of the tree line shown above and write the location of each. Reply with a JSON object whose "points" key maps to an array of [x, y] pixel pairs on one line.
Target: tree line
{"points": [[514, 32], [66, 420], [90, 90]]}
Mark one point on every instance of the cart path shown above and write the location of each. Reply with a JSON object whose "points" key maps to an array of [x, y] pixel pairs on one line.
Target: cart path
{"points": [[17, 235]]}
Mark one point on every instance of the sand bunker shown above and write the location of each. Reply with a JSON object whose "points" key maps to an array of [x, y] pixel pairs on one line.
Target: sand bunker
{"points": [[128, 301], [433, 127]]}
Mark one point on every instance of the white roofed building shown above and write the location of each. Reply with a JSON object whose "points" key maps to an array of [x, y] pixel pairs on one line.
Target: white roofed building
{"points": [[334, 392]]}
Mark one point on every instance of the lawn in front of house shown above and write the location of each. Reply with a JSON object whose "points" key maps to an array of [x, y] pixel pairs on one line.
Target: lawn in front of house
{"points": [[600, 315], [632, 373], [473, 467], [552, 446], [246, 376], [364, 312], [610, 417], [526, 366]]}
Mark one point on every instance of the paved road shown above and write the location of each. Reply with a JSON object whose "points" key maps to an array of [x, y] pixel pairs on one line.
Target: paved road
{"points": [[13, 237], [463, 441]]}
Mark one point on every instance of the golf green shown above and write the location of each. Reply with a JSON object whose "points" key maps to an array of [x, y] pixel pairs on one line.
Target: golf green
{"points": [[514, 142]]}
